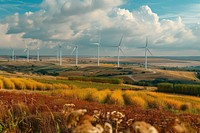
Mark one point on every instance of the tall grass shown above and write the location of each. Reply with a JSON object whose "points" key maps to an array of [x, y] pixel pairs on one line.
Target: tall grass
{"points": [[101, 96], [117, 98], [30, 84], [1, 84], [19, 84], [132, 98], [8, 84], [172, 104]]}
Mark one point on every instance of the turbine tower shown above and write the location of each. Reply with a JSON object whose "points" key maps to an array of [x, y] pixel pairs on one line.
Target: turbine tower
{"points": [[27, 53], [38, 54], [57, 54], [60, 53], [119, 49], [98, 44], [13, 54], [76, 49], [146, 50]]}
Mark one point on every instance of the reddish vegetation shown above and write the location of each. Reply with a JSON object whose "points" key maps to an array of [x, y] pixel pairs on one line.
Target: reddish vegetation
{"points": [[158, 118]]}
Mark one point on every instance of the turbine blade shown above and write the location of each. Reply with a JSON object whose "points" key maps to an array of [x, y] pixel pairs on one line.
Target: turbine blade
{"points": [[95, 43], [120, 41], [73, 50], [140, 47], [146, 41], [112, 46], [99, 39], [122, 51], [149, 52]]}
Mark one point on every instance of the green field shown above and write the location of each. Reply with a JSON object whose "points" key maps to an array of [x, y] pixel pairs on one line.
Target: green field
{"points": [[83, 84]]}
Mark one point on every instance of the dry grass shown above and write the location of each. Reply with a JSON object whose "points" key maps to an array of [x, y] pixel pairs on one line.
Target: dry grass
{"points": [[1, 84], [101, 96], [179, 74], [117, 98], [8, 84], [19, 84]]}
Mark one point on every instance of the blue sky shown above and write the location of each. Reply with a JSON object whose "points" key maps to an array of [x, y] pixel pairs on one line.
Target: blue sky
{"points": [[161, 7], [170, 9], [170, 24], [9, 7]]}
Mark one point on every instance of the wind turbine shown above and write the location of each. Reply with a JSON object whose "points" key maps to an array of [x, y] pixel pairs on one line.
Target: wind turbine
{"points": [[98, 44], [146, 50], [76, 49], [13, 54], [60, 53], [27, 53], [119, 50], [38, 54]]}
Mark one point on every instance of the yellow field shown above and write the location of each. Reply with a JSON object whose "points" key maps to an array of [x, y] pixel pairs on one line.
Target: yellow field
{"points": [[179, 74], [141, 99]]}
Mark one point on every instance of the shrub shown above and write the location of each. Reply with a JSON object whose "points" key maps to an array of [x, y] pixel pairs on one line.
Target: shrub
{"points": [[19, 85], [84, 94], [185, 106], [60, 86], [116, 98], [30, 84], [137, 101], [165, 87], [49, 87], [172, 104], [8, 84], [101, 96], [1, 84], [187, 89], [40, 86]]}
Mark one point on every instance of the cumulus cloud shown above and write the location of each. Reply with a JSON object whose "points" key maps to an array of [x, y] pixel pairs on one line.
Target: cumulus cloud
{"points": [[78, 20], [7, 40]]}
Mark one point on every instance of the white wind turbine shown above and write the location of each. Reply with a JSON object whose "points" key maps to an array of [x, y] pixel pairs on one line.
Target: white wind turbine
{"points": [[146, 49], [119, 50], [27, 53], [13, 54], [75, 49], [98, 44], [38, 53], [57, 53], [60, 53]]}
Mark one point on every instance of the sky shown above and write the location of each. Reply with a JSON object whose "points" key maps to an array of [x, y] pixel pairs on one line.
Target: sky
{"points": [[172, 26]]}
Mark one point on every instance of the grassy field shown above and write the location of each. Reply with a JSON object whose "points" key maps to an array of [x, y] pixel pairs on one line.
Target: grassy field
{"points": [[83, 84], [103, 93]]}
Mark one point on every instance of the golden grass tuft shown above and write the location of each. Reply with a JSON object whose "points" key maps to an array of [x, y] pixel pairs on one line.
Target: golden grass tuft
{"points": [[40, 86], [30, 84], [116, 98], [60, 86], [172, 104], [19, 84], [8, 84], [84, 94], [137, 101], [1, 84], [101, 96]]}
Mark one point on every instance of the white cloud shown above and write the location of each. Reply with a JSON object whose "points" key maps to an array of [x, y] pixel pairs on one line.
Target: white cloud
{"points": [[77, 20], [9, 41]]}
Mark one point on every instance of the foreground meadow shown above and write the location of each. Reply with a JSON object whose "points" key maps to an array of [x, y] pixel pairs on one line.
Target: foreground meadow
{"points": [[28, 105]]}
